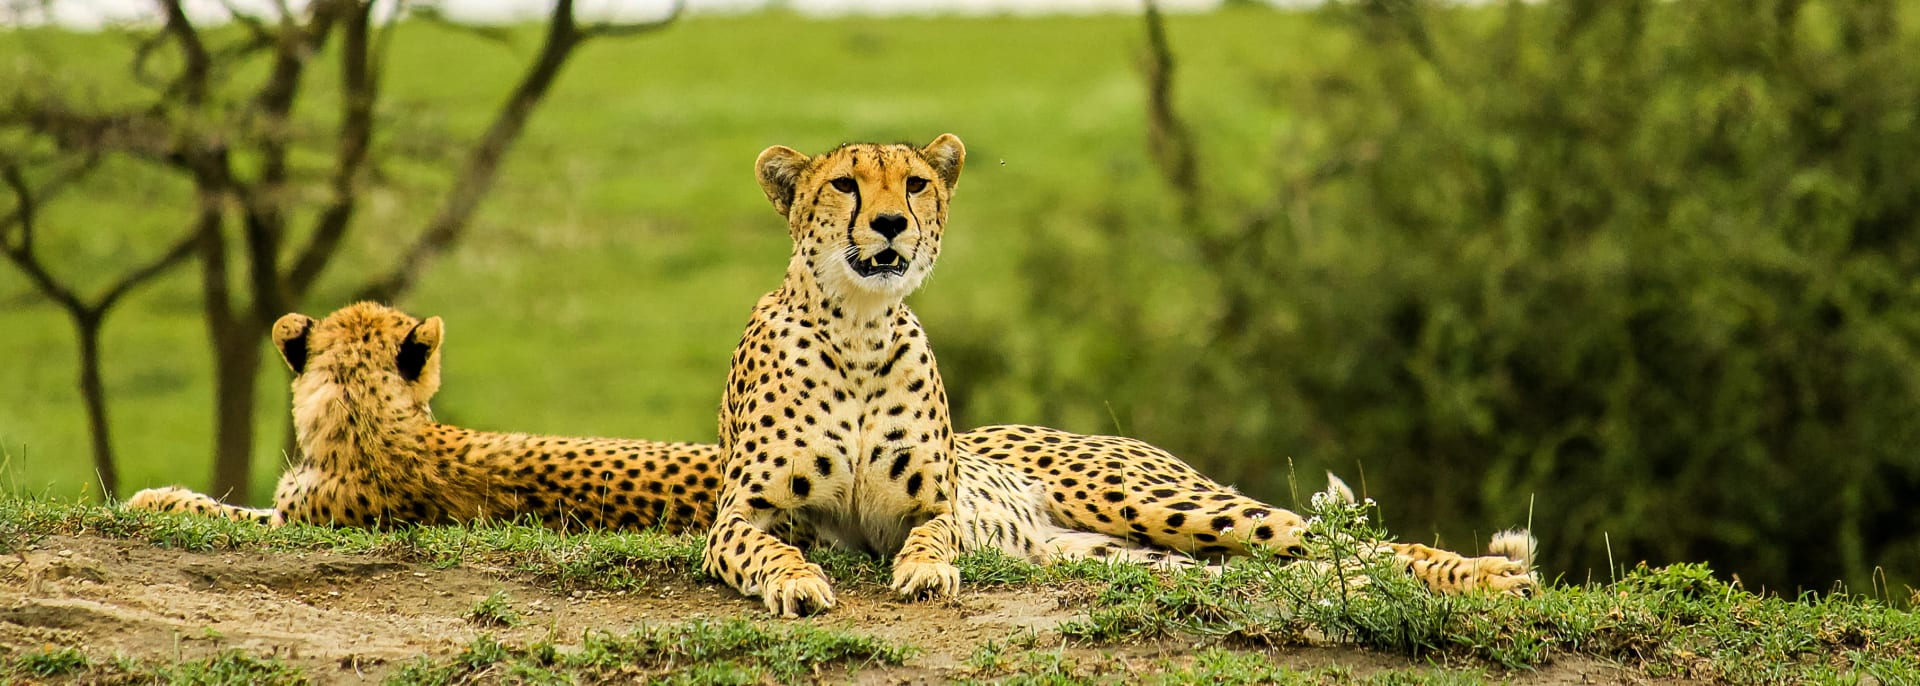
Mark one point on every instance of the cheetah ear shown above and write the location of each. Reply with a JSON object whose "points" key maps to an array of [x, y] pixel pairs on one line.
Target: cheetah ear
{"points": [[947, 155], [290, 336], [417, 351], [779, 169]]}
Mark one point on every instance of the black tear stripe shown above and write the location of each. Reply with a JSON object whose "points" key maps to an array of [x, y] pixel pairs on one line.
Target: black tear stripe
{"points": [[854, 220], [922, 242]]}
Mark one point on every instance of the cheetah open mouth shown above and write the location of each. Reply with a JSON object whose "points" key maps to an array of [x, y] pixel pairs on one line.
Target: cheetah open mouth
{"points": [[883, 263]]}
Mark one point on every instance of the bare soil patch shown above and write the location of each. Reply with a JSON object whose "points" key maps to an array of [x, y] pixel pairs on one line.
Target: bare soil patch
{"points": [[355, 618]]}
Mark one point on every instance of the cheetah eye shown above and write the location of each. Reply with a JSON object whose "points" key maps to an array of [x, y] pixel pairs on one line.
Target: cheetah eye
{"points": [[916, 184], [844, 184]]}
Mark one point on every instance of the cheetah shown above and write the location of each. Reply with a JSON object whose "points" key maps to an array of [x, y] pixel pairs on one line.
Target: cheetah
{"points": [[834, 423], [835, 428], [372, 454]]}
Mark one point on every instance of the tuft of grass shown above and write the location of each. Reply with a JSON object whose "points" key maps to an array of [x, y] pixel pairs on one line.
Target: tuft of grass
{"points": [[230, 667], [732, 651], [50, 662], [495, 610], [994, 568], [852, 567]]}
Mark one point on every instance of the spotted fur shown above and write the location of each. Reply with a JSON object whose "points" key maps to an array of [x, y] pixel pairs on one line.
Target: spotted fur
{"points": [[834, 424], [1033, 493], [372, 454]]}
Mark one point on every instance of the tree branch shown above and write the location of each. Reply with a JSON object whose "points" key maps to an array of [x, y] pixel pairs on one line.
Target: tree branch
{"points": [[195, 75], [181, 250], [23, 196], [1167, 137], [138, 134], [25, 214], [360, 91], [622, 30], [265, 221], [482, 167], [23, 254]]}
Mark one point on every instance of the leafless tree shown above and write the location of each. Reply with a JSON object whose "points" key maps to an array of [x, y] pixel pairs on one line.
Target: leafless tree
{"points": [[261, 234], [18, 243]]}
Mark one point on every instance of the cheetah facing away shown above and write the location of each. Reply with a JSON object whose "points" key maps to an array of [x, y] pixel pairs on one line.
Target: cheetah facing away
{"points": [[371, 452]]}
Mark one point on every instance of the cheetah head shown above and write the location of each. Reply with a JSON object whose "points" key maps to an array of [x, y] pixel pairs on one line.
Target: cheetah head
{"points": [[865, 218], [335, 360]]}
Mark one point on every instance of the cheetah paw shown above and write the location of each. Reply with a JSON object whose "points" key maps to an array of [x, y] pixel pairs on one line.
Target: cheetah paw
{"points": [[798, 592], [921, 579]]}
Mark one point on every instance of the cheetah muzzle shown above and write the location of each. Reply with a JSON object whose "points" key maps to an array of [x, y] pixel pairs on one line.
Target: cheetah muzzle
{"points": [[887, 262]]}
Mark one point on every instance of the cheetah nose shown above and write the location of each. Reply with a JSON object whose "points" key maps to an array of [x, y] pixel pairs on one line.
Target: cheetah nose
{"points": [[889, 225]]}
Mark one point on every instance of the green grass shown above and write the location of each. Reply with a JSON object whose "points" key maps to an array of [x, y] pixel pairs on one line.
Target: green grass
{"points": [[627, 229], [1675, 621], [998, 665], [596, 560], [697, 652], [233, 667], [495, 610], [592, 560]]}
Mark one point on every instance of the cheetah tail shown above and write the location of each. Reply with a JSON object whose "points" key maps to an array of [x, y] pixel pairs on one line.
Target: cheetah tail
{"points": [[1514, 544], [1339, 489]]}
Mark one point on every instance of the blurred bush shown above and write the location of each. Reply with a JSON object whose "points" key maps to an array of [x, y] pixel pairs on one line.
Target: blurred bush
{"points": [[1642, 272]]}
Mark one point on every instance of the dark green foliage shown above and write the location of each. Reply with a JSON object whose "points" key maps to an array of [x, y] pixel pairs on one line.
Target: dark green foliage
{"points": [[1640, 272], [1669, 621]]}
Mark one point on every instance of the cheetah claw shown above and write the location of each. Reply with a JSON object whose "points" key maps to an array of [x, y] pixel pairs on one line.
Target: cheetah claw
{"points": [[919, 579], [798, 592]]}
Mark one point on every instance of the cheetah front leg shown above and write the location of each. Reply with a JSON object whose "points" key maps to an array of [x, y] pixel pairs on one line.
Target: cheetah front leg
{"points": [[741, 552], [924, 566]]}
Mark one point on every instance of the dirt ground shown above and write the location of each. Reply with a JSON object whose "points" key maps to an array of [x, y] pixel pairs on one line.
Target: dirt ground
{"points": [[353, 619]]}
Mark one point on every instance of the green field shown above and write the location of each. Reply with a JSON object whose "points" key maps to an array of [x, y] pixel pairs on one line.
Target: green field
{"points": [[1639, 274], [606, 280]]}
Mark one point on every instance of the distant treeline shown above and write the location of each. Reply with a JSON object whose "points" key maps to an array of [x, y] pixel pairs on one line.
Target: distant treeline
{"points": [[1642, 272]]}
